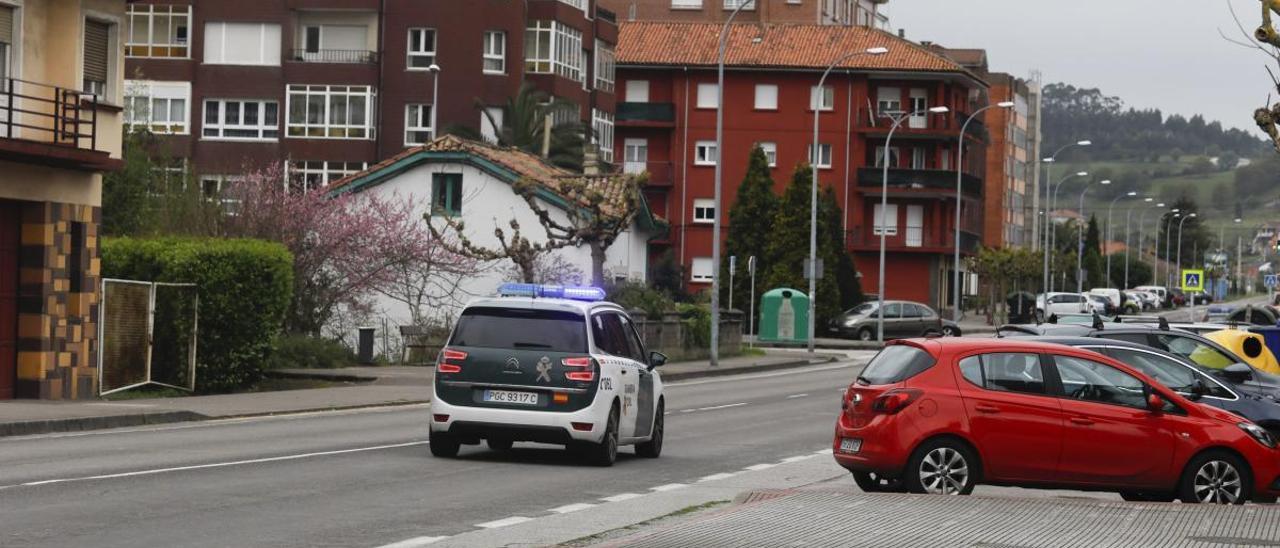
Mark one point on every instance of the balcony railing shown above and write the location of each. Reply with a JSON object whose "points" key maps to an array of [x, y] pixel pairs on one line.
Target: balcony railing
{"points": [[875, 120], [872, 178], [913, 238], [660, 173], [654, 113], [49, 115], [346, 56]]}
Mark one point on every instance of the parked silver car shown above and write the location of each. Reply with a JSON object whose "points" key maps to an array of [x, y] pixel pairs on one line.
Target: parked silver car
{"points": [[902, 320]]}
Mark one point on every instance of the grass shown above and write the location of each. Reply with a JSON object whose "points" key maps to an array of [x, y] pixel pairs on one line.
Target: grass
{"points": [[614, 533], [753, 352]]}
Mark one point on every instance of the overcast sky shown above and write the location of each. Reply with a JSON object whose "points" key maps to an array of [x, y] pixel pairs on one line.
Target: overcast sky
{"points": [[1165, 54]]}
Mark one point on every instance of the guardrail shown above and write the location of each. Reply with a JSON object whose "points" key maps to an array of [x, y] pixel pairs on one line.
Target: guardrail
{"points": [[348, 56]]}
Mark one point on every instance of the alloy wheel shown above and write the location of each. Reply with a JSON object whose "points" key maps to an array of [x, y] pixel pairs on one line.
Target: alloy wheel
{"points": [[944, 471], [1217, 482]]}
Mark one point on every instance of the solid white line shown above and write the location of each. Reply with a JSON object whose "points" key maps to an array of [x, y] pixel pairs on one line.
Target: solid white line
{"points": [[571, 508], [414, 542], [687, 410], [621, 497], [717, 477], [668, 487], [715, 407], [504, 522], [756, 467], [794, 396], [218, 464], [797, 458], [796, 371], [826, 451]]}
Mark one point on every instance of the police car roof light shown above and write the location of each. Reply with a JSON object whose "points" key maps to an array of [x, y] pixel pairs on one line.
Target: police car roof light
{"points": [[551, 292]]}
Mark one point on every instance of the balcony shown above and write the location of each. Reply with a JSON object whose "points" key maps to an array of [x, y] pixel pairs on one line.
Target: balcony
{"points": [[913, 239], [340, 56], [918, 182], [51, 125], [646, 114], [661, 174], [936, 126]]}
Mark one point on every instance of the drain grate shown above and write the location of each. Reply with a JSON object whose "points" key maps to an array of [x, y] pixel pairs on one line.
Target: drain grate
{"points": [[757, 496]]}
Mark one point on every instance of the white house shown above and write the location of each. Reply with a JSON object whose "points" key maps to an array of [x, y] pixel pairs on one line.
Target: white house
{"points": [[472, 182]]}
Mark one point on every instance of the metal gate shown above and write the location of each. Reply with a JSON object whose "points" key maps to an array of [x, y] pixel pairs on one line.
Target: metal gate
{"points": [[148, 335]]}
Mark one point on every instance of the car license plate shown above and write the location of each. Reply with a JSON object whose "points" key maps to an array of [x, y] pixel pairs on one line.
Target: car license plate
{"points": [[850, 445], [508, 396]]}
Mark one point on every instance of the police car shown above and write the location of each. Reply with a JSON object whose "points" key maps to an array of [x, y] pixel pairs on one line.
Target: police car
{"points": [[547, 364]]}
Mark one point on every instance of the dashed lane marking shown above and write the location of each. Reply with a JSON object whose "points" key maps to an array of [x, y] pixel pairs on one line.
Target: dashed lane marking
{"points": [[757, 467], [621, 497], [717, 407], [794, 396], [504, 522], [414, 542], [668, 487], [716, 477], [571, 508]]}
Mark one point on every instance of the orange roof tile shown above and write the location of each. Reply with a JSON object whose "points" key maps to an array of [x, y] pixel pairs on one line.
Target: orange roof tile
{"points": [[798, 46]]}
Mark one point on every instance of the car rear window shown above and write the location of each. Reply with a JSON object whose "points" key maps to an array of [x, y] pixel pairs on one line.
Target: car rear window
{"points": [[521, 329], [896, 363]]}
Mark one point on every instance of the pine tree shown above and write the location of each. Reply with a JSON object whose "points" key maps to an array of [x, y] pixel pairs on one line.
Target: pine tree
{"points": [[1093, 264], [788, 248], [750, 228], [839, 262]]}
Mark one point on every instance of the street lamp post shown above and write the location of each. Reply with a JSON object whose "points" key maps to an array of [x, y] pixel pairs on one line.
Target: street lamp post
{"points": [[1168, 238], [1180, 223], [1126, 232], [816, 154], [1048, 220], [434, 69], [715, 229], [1142, 218], [884, 204], [1080, 237], [1052, 241], [955, 288]]}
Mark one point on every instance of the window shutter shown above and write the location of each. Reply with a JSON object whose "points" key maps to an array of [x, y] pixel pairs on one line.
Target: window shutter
{"points": [[95, 51], [6, 25]]}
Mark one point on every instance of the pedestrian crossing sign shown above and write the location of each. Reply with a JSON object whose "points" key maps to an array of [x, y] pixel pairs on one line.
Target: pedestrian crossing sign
{"points": [[1193, 280]]}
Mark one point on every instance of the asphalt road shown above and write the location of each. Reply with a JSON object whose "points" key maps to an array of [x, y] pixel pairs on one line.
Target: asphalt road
{"points": [[366, 478]]}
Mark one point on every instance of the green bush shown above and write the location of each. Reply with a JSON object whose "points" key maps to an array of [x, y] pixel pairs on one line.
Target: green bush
{"points": [[244, 288], [698, 321], [301, 351], [633, 295]]}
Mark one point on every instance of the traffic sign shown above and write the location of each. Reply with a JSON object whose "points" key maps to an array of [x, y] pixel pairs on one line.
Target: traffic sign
{"points": [[1271, 281], [1193, 280]]}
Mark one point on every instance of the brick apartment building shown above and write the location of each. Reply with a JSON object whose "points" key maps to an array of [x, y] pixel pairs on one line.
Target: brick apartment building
{"points": [[862, 13], [666, 126], [61, 76], [332, 86]]}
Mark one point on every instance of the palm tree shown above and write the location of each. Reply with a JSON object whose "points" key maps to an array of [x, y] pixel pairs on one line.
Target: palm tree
{"points": [[524, 127]]}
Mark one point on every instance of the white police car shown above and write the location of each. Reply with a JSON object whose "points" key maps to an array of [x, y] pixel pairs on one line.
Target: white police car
{"points": [[547, 364]]}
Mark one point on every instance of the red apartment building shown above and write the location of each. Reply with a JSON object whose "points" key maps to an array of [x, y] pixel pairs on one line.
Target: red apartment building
{"points": [[864, 13], [666, 126], [332, 86]]}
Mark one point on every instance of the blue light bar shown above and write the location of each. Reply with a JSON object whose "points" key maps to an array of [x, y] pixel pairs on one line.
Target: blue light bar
{"points": [[551, 292]]}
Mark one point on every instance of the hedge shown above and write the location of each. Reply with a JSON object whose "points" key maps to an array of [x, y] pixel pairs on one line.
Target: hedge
{"points": [[244, 288]]}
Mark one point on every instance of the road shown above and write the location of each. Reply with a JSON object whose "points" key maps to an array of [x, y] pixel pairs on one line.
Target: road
{"points": [[366, 478]]}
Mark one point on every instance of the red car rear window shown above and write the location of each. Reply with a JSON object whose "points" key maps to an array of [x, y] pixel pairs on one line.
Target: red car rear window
{"points": [[896, 363]]}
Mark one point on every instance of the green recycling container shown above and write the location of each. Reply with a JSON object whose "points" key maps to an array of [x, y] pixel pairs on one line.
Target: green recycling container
{"points": [[784, 316]]}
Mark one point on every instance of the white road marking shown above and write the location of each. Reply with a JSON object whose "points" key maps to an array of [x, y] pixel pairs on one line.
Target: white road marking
{"points": [[621, 497], [217, 464], [687, 410], [717, 477], [504, 522], [668, 487], [756, 467], [571, 508], [826, 451], [715, 407], [798, 370], [797, 458], [794, 396], [414, 542]]}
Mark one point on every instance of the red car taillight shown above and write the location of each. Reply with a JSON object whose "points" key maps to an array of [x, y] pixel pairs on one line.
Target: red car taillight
{"points": [[581, 376], [895, 400], [448, 355]]}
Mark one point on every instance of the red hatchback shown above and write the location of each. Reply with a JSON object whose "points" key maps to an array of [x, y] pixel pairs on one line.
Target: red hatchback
{"points": [[942, 415]]}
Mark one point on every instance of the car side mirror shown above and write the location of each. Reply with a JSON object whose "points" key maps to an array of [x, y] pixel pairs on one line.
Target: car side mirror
{"points": [[1198, 390], [1155, 403], [1238, 372], [657, 359]]}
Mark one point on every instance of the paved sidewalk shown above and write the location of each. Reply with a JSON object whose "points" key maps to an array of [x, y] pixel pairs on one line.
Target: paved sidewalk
{"points": [[378, 386]]}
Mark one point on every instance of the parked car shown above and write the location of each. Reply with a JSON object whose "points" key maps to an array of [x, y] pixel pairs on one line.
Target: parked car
{"points": [[1265, 315], [951, 329], [1026, 413], [1149, 300], [1115, 303], [1218, 313], [1062, 303], [1101, 304], [902, 319], [1177, 297], [1166, 300]]}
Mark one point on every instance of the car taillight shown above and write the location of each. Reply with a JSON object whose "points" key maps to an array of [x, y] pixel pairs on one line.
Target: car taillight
{"points": [[447, 355], [581, 376], [895, 400]]}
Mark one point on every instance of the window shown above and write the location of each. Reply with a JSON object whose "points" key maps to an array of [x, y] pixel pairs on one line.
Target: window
{"points": [[311, 39], [686, 4], [1167, 371], [212, 188], [1091, 381], [893, 310], [330, 112], [517, 328], [160, 107], [893, 157], [886, 221], [895, 364], [704, 211], [770, 152], [308, 175], [241, 119], [446, 194], [635, 156], [1005, 372], [333, 44], [605, 65], [495, 52], [766, 97], [491, 121], [915, 226], [823, 160], [6, 38], [608, 334], [918, 156], [602, 134], [889, 101], [241, 44], [701, 270], [569, 61], [97, 60], [637, 91], [158, 31], [552, 46], [704, 153], [538, 40], [633, 340], [824, 101], [1194, 350], [417, 124], [919, 104], [733, 4], [708, 96], [422, 49]]}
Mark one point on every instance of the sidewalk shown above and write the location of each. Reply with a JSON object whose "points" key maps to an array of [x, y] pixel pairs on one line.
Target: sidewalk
{"points": [[380, 386]]}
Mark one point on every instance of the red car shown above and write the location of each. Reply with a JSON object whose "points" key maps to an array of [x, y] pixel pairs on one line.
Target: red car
{"points": [[943, 415]]}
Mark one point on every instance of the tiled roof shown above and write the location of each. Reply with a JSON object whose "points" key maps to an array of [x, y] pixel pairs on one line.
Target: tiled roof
{"points": [[797, 46]]}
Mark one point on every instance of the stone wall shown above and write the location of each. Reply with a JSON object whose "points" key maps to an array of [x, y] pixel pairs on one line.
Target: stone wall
{"points": [[673, 337]]}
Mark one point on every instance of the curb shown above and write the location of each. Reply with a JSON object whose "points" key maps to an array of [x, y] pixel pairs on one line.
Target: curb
{"points": [[52, 426], [320, 375], [688, 375]]}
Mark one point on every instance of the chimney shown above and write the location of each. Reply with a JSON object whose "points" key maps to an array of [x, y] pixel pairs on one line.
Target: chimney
{"points": [[590, 161], [902, 33]]}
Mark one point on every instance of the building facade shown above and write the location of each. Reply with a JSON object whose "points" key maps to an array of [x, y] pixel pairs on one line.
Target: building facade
{"points": [[666, 127], [1012, 174], [862, 13], [333, 86], [61, 91]]}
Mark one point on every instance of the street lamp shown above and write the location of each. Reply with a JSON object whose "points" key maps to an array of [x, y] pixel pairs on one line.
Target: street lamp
{"points": [[1180, 223], [1141, 219], [715, 229], [955, 288], [1048, 216], [1126, 232], [884, 205], [813, 206], [434, 69], [1048, 279], [1168, 238], [1080, 237]]}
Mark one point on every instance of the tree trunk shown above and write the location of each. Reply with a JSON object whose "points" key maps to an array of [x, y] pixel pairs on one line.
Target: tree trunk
{"points": [[597, 264], [528, 270]]}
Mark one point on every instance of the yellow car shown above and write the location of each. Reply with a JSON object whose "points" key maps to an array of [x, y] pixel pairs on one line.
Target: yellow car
{"points": [[1248, 346]]}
